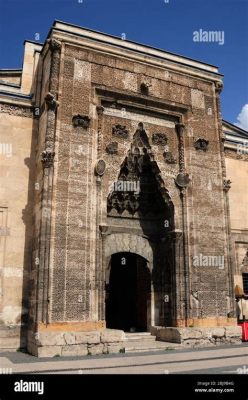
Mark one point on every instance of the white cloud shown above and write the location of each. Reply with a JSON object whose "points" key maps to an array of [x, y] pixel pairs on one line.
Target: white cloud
{"points": [[242, 118]]}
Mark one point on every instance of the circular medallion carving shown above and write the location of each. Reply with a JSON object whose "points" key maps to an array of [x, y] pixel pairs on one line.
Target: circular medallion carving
{"points": [[100, 167], [182, 180]]}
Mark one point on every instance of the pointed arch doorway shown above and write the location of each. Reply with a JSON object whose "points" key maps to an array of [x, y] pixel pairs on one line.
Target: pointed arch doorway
{"points": [[128, 293], [140, 219]]}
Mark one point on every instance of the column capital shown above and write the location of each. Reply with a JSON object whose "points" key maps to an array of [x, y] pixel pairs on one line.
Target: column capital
{"points": [[47, 158], [54, 44], [180, 128], [226, 184], [51, 102], [99, 110], [219, 86]]}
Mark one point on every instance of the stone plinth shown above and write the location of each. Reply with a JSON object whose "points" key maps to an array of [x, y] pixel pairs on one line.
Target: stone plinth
{"points": [[52, 344], [199, 337]]}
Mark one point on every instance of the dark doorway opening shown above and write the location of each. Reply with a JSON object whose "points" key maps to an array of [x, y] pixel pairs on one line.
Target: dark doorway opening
{"points": [[128, 293]]}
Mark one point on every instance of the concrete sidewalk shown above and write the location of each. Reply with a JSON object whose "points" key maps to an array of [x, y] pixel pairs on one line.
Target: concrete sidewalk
{"points": [[165, 362]]}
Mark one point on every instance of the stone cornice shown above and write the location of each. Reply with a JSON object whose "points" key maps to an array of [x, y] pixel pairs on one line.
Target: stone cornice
{"points": [[106, 39], [79, 37], [16, 109]]}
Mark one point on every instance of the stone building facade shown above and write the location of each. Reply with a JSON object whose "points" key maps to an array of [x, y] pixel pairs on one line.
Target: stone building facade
{"points": [[115, 204]]}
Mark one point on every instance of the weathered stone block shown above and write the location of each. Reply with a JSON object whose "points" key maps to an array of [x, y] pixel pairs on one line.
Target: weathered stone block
{"points": [[88, 337], [112, 335], [199, 336], [203, 343], [190, 333], [49, 339], [49, 351], [74, 350], [206, 333], [32, 349], [113, 348], [169, 335], [233, 331], [95, 349], [155, 329], [218, 332], [70, 338]]}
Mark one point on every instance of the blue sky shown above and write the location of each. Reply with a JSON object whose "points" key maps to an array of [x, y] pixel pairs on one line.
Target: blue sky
{"points": [[166, 25]]}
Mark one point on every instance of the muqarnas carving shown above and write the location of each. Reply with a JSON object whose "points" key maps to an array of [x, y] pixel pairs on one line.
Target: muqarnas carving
{"points": [[201, 144], [159, 139], [168, 157], [81, 120], [112, 148], [120, 131], [140, 190]]}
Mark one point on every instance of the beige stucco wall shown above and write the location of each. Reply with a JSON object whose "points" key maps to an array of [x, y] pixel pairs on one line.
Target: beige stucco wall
{"points": [[16, 213], [17, 153], [237, 172]]}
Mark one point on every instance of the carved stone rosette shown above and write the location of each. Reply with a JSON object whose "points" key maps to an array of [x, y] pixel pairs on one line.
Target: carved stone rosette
{"points": [[201, 144], [159, 139], [81, 120], [120, 131]]}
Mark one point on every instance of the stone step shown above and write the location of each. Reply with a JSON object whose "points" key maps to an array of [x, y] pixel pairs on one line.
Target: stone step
{"points": [[10, 337], [12, 343], [138, 342], [148, 346], [142, 334], [139, 336], [6, 332]]}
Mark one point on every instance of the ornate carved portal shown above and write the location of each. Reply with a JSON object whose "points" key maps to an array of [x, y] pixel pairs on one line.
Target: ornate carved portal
{"points": [[140, 200]]}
